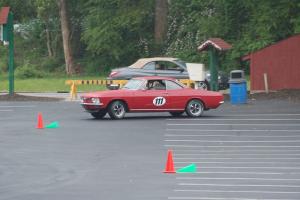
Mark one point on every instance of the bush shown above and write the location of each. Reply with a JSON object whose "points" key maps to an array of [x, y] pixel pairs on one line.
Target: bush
{"points": [[3, 66], [51, 64], [3, 59], [28, 71]]}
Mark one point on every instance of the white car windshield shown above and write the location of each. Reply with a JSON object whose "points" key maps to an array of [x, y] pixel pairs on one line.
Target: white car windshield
{"points": [[133, 84]]}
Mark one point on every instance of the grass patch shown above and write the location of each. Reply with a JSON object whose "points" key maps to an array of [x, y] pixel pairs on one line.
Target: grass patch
{"points": [[56, 84], [51, 84]]}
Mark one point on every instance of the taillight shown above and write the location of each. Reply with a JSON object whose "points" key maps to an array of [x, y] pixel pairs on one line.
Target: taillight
{"points": [[112, 74]]}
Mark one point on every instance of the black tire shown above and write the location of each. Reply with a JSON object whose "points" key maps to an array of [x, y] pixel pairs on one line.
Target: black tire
{"points": [[99, 115], [176, 114], [117, 110], [194, 108]]}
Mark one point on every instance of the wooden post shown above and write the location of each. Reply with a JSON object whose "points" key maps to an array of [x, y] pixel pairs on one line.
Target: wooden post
{"points": [[73, 91], [266, 83]]}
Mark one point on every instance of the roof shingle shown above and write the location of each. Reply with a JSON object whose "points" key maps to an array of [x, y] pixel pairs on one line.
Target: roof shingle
{"points": [[218, 43]]}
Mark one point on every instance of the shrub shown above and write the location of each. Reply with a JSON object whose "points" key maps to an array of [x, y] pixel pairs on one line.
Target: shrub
{"points": [[28, 71], [51, 64]]}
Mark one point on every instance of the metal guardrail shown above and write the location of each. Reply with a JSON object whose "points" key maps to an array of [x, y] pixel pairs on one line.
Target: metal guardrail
{"points": [[95, 82], [120, 83]]}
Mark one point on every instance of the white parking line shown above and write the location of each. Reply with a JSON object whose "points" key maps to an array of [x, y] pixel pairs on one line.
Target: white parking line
{"points": [[217, 198], [203, 167], [238, 178], [237, 185], [221, 146], [252, 173], [234, 130], [285, 158], [234, 119], [184, 134], [29, 106], [235, 141], [229, 124], [241, 191], [236, 154], [234, 135], [261, 114], [232, 162], [239, 150]]}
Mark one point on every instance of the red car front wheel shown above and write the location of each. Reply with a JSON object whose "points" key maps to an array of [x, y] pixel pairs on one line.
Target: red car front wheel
{"points": [[117, 110]]}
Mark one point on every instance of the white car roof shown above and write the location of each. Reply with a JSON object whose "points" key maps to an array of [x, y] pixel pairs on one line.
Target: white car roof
{"points": [[141, 62]]}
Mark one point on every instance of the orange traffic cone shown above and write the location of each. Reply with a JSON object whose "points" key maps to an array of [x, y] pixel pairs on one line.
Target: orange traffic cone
{"points": [[40, 124], [170, 164]]}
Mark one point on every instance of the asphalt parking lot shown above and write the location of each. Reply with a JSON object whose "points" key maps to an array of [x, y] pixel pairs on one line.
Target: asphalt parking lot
{"points": [[242, 152]]}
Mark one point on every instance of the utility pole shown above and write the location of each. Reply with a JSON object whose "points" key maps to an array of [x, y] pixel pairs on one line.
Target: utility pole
{"points": [[213, 67], [7, 37], [11, 63]]}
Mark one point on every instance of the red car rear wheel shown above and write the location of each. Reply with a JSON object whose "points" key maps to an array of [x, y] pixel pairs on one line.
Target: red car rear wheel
{"points": [[194, 108]]}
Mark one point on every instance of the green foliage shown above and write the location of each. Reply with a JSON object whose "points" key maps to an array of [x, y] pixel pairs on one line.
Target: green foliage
{"points": [[3, 60], [23, 10], [248, 25], [108, 34], [49, 84], [28, 71], [118, 31], [51, 64]]}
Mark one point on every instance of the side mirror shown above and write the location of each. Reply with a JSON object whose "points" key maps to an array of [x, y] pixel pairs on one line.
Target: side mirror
{"points": [[181, 70]]}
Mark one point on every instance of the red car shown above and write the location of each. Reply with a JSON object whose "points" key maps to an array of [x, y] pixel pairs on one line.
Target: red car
{"points": [[151, 94]]}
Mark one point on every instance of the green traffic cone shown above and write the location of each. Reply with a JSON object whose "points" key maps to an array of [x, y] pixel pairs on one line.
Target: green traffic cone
{"points": [[53, 125], [188, 169]]}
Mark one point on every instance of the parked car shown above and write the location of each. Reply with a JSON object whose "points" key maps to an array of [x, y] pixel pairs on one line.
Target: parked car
{"points": [[151, 94], [162, 66]]}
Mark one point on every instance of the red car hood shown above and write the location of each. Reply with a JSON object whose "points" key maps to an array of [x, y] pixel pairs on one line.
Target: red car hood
{"points": [[107, 93]]}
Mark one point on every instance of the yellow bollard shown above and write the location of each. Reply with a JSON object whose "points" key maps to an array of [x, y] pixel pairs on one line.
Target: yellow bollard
{"points": [[73, 91]]}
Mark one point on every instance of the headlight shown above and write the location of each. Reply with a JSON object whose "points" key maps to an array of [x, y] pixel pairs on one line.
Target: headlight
{"points": [[95, 100], [82, 99]]}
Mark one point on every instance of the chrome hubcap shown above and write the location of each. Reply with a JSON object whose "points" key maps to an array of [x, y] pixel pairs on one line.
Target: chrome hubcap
{"points": [[118, 109], [195, 108]]}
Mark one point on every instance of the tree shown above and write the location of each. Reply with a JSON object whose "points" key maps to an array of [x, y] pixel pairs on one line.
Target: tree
{"points": [[161, 22], [117, 32], [46, 12], [23, 10], [65, 29]]}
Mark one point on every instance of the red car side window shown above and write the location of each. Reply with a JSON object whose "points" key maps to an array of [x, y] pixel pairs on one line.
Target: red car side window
{"points": [[156, 85], [173, 86]]}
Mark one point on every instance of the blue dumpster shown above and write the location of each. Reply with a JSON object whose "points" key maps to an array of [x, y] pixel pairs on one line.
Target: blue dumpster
{"points": [[238, 87]]}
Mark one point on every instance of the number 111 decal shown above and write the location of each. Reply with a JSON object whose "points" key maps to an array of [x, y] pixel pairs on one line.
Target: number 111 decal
{"points": [[159, 101]]}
